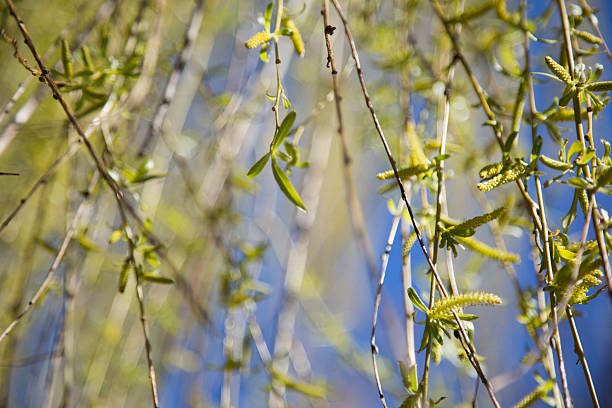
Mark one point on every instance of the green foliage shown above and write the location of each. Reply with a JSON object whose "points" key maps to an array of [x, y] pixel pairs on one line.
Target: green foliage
{"points": [[138, 251]]}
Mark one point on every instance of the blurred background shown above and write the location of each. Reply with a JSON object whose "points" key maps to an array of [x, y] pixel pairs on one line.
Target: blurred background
{"points": [[179, 110]]}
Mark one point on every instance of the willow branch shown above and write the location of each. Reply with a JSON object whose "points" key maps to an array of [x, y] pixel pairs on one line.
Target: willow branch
{"points": [[469, 348], [56, 262]]}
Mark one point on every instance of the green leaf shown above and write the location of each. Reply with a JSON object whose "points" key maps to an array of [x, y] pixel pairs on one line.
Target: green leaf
{"points": [[123, 276], [565, 254], [283, 131], [409, 376], [571, 214], [285, 185], [263, 52], [157, 279], [259, 165], [268, 16], [568, 94], [586, 158], [579, 182], [115, 236], [411, 401], [510, 141], [467, 317], [416, 300], [575, 148]]}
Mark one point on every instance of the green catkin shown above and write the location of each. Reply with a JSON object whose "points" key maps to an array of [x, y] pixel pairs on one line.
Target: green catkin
{"points": [[599, 86], [555, 164], [583, 200], [296, 37], [87, 58], [490, 170], [66, 59], [558, 70], [503, 178], [408, 244], [533, 397], [588, 37], [490, 252], [404, 173], [446, 306], [436, 352], [417, 155], [476, 222], [258, 39]]}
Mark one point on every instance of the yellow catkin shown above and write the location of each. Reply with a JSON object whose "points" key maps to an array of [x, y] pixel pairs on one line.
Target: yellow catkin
{"points": [[558, 70], [579, 295], [533, 397], [258, 39], [588, 37], [490, 170], [403, 173], [479, 220], [446, 306], [502, 178], [490, 252]]}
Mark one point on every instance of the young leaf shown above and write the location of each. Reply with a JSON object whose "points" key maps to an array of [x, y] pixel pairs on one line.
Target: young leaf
{"points": [[285, 185], [157, 279], [115, 236], [283, 131], [258, 166], [416, 300], [123, 276], [268, 16], [409, 376]]}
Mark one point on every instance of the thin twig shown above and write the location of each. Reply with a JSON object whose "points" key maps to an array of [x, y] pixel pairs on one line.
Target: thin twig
{"points": [[580, 135], [25, 112], [56, 262], [581, 357], [590, 13], [469, 348], [383, 270], [171, 87]]}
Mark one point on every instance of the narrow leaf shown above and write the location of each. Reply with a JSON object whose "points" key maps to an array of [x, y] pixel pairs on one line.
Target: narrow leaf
{"points": [[283, 130], [416, 300], [157, 279], [258, 166], [285, 185]]}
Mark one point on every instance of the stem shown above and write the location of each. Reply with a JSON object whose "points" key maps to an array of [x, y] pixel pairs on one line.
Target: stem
{"points": [[581, 357], [580, 134], [383, 270], [468, 347], [277, 62]]}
